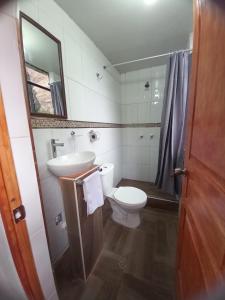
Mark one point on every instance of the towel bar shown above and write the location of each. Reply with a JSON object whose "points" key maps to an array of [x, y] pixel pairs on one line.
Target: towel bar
{"points": [[80, 181]]}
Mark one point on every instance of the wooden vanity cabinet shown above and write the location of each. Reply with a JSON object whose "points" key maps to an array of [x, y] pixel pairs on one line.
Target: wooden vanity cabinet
{"points": [[85, 233]]}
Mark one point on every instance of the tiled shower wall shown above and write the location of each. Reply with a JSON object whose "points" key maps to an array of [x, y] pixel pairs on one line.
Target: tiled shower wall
{"points": [[142, 107]]}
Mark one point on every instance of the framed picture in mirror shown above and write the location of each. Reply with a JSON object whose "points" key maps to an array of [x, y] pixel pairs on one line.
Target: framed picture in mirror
{"points": [[43, 68]]}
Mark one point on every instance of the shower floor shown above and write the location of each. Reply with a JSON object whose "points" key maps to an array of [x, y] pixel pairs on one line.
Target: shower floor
{"points": [[156, 198], [135, 264], [149, 188]]}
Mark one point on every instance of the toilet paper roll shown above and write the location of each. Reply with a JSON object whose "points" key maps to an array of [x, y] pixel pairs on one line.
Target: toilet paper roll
{"points": [[94, 136]]}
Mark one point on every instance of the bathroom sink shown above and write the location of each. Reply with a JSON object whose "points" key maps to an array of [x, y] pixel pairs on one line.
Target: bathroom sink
{"points": [[72, 163]]}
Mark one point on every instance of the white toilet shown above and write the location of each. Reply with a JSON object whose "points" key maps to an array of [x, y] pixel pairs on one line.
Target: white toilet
{"points": [[126, 201]]}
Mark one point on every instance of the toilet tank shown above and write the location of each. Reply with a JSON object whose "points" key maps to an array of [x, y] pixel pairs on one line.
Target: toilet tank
{"points": [[106, 172]]}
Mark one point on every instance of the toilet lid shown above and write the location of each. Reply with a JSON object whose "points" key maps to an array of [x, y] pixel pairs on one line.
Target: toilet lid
{"points": [[130, 195]]}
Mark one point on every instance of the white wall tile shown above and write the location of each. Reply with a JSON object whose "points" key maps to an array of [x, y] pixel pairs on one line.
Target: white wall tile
{"points": [[14, 290], [132, 113], [67, 93], [140, 155], [16, 115], [139, 105], [144, 112], [90, 99], [58, 240], [155, 112], [77, 101], [40, 251], [133, 92], [105, 98], [91, 67], [73, 67], [82, 60], [71, 28], [42, 143], [52, 198], [26, 175], [107, 149], [53, 27], [55, 13], [11, 79], [28, 7]]}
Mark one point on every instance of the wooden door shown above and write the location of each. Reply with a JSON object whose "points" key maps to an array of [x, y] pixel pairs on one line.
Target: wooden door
{"points": [[16, 230], [201, 243]]}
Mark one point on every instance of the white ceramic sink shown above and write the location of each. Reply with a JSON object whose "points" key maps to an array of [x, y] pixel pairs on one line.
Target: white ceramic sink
{"points": [[72, 163]]}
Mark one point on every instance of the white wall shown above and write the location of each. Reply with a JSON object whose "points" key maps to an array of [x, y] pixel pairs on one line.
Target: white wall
{"points": [[10, 285], [16, 115], [88, 99], [107, 149], [140, 106], [140, 155]]}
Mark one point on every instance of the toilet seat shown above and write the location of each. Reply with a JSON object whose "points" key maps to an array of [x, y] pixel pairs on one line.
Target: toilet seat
{"points": [[130, 196]]}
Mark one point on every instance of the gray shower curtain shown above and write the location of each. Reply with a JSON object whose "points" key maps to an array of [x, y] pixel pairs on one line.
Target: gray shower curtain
{"points": [[171, 147], [56, 91]]}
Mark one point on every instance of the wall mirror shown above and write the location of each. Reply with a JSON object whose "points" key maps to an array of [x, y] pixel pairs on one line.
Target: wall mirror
{"points": [[43, 70]]}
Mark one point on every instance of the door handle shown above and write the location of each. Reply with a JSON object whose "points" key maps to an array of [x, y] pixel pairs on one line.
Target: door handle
{"points": [[179, 171]]}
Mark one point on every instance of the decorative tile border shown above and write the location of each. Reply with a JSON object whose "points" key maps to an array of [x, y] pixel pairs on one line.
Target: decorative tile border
{"points": [[58, 123], [137, 125]]}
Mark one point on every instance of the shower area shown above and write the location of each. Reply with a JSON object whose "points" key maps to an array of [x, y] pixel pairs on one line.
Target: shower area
{"points": [[153, 116], [142, 102]]}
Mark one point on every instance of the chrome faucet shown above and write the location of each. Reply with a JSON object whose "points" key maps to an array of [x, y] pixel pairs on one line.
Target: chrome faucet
{"points": [[54, 145]]}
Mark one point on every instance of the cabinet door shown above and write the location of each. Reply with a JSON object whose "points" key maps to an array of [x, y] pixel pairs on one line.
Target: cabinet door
{"points": [[85, 232], [91, 232]]}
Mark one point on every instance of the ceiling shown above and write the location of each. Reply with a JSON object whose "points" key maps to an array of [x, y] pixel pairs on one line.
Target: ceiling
{"points": [[130, 29]]}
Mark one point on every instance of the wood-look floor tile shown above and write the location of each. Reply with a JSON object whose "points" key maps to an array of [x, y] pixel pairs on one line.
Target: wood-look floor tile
{"points": [[117, 238], [92, 288], [135, 264], [133, 288]]}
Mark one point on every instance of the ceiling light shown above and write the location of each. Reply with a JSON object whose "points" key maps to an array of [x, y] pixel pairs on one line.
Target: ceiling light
{"points": [[149, 2]]}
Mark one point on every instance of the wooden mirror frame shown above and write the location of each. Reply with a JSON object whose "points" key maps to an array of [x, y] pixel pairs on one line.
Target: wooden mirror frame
{"points": [[37, 25]]}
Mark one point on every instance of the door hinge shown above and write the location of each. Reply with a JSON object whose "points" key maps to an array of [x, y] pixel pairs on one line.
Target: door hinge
{"points": [[19, 213]]}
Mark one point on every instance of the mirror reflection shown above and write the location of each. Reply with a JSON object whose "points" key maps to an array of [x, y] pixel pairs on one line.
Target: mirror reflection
{"points": [[43, 67]]}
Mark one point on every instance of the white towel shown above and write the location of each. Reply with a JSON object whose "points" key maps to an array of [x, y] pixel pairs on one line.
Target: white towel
{"points": [[93, 194]]}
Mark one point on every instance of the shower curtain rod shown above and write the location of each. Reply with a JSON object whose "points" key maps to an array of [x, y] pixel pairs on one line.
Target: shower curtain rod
{"points": [[145, 58]]}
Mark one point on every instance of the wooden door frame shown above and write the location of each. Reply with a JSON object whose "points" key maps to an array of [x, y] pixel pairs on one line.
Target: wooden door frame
{"points": [[17, 233]]}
